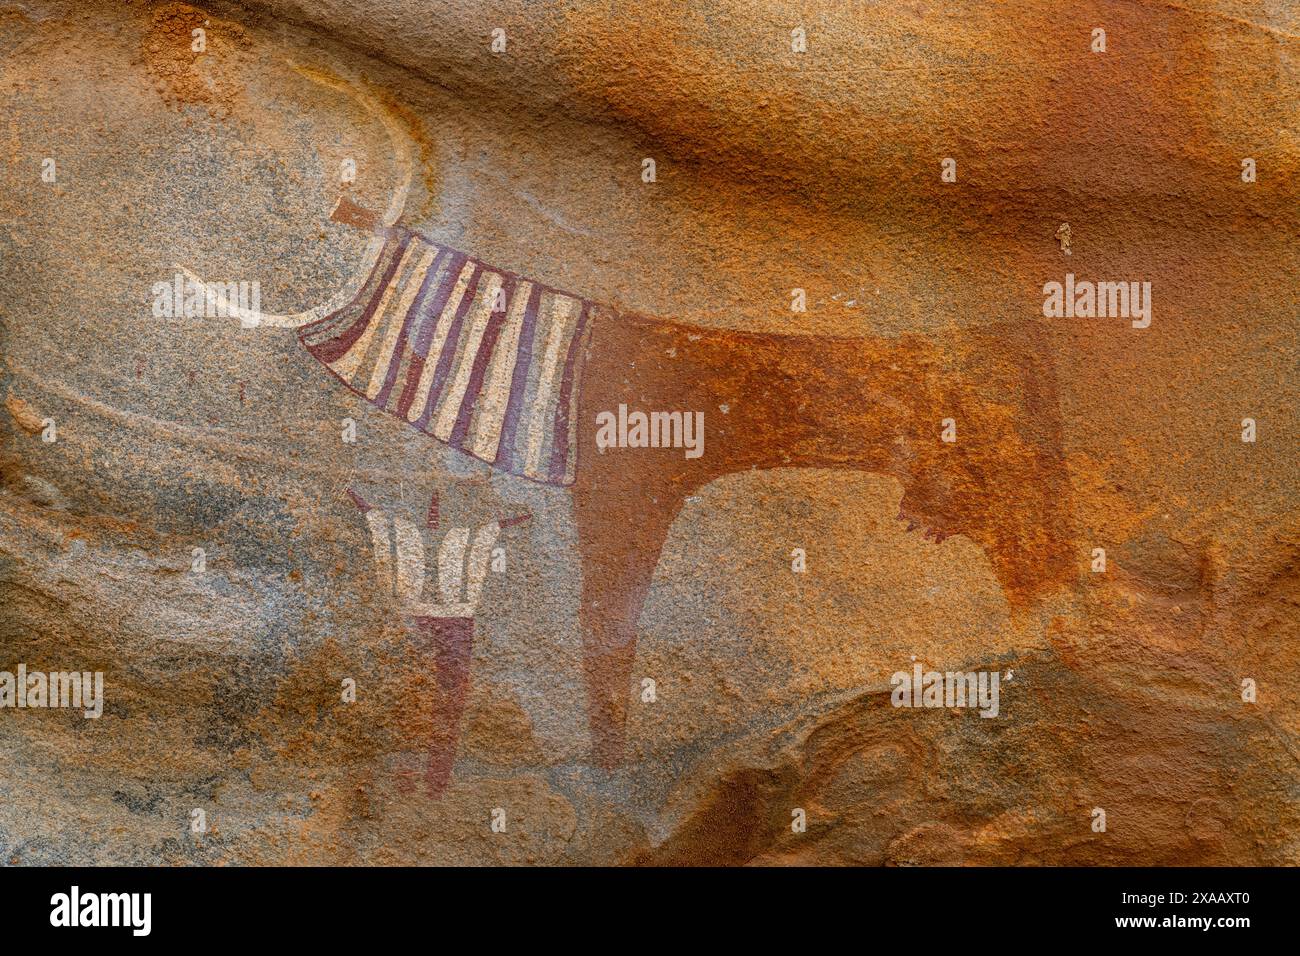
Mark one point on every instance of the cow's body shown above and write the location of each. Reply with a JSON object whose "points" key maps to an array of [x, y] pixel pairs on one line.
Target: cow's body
{"points": [[874, 404]]}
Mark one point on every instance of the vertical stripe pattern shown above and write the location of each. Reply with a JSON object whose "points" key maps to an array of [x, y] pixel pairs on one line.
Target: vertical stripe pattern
{"points": [[482, 360]]}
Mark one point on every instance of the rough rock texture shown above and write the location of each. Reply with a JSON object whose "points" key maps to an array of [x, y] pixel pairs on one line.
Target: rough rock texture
{"points": [[776, 170]]}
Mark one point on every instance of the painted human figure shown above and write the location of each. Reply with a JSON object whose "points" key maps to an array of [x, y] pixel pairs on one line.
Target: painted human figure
{"points": [[443, 628]]}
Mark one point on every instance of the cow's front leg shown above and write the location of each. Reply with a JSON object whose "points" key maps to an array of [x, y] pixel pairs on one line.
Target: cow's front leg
{"points": [[622, 524]]}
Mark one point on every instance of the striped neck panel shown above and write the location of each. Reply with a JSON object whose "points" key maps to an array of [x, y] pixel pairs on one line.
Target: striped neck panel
{"points": [[483, 360]]}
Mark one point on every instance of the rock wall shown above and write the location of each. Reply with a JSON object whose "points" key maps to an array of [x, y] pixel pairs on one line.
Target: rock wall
{"points": [[670, 660]]}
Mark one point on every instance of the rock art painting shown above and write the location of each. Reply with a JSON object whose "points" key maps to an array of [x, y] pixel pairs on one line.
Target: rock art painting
{"points": [[554, 433]]}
